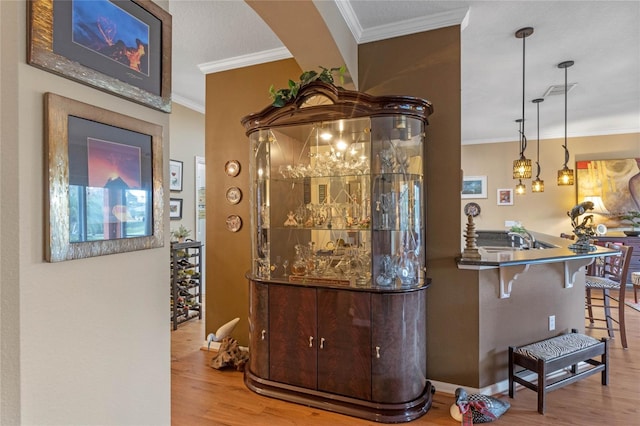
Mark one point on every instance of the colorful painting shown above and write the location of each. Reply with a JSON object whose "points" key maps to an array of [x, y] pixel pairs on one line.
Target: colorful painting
{"points": [[122, 47], [108, 30], [113, 164], [105, 185], [616, 182], [504, 196], [474, 187]]}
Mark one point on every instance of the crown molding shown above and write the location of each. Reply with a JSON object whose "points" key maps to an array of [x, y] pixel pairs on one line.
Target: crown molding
{"points": [[608, 132], [350, 19], [245, 60], [188, 103], [409, 26], [415, 25]]}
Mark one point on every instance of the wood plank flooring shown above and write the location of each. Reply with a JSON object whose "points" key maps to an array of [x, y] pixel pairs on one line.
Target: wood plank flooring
{"points": [[201, 395]]}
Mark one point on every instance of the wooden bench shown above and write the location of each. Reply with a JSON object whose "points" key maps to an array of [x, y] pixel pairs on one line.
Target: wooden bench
{"points": [[553, 354]]}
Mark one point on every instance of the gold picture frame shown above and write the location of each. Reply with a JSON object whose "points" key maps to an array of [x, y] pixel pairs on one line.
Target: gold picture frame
{"points": [[72, 128]]}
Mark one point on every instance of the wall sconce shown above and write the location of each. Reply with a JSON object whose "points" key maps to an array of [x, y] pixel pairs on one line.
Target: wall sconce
{"points": [[522, 166], [538, 185], [565, 175]]}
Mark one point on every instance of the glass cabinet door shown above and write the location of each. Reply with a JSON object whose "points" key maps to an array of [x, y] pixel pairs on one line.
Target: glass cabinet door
{"points": [[339, 202]]}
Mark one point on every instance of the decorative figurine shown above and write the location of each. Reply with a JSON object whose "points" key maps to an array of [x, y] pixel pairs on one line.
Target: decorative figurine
{"points": [[470, 236], [584, 230], [291, 220]]}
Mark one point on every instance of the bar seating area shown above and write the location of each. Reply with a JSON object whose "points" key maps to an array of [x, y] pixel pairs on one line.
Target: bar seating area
{"points": [[604, 276]]}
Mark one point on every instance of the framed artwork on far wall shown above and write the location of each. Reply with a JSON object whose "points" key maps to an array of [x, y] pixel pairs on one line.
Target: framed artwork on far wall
{"points": [[104, 181], [175, 208], [175, 175], [505, 196], [474, 187], [121, 47], [613, 185]]}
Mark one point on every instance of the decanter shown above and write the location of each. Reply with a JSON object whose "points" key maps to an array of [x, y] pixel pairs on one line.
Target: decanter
{"points": [[299, 265]]}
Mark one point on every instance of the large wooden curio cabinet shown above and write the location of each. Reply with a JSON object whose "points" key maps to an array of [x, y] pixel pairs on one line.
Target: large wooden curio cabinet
{"points": [[338, 281]]}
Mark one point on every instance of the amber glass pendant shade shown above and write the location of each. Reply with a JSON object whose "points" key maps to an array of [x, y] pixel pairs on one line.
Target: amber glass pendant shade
{"points": [[537, 185], [565, 176], [522, 168], [521, 189]]}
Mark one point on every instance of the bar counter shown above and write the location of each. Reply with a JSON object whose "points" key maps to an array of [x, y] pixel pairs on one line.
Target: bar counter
{"points": [[513, 262]]}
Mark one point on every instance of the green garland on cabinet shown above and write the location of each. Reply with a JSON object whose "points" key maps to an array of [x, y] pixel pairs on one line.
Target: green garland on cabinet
{"points": [[281, 97]]}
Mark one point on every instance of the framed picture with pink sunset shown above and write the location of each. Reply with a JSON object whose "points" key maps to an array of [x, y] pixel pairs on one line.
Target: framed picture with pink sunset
{"points": [[104, 181]]}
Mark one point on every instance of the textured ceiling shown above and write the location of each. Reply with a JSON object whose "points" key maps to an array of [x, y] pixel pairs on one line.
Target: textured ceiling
{"points": [[602, 37]]}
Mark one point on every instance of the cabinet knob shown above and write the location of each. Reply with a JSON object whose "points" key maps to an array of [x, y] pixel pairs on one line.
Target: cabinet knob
{"points": [[322, 343], [377, 351], [310, 341], [262, 334]]}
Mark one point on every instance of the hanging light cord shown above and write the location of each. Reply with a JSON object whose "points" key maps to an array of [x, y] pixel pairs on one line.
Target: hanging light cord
{"points": [[523, 138], [538, 147], [566, 150]]}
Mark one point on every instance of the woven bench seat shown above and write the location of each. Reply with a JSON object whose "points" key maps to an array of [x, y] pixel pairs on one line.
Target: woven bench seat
{"points": [[553, 354]]}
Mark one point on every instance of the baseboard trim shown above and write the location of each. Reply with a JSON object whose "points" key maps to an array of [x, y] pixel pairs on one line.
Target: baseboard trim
{"points": [[498, 388]]}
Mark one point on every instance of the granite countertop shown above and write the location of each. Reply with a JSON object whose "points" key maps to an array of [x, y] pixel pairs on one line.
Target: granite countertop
{"points": [[557, 251]]}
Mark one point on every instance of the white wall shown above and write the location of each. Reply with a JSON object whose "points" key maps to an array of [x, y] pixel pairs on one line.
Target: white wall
{"points": [[90, 337]]}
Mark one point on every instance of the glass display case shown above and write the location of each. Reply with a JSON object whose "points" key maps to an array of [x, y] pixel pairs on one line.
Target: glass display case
{"points": [[339, 196], [338, 253]]}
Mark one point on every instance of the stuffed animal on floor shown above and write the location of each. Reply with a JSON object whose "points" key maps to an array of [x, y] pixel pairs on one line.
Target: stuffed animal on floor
{"points": [[476, 408], [229, 355]]}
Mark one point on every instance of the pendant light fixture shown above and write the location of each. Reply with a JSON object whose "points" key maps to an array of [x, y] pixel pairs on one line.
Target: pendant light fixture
{"points": [[521, 189], [538, 185], [522, 166], [565, 175]]}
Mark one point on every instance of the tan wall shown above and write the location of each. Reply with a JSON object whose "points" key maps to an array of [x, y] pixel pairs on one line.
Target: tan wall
{"points": [[523, 317], [230, 96], [543, 212], [427, 65]]}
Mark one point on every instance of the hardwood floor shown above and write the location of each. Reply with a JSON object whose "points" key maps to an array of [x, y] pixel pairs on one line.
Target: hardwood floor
{"points": [[201, 395]]}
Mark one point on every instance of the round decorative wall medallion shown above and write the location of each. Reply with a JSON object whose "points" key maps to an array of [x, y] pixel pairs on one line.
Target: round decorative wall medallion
{"points": [[234, 223], [234, 195], [472, 209], [232, 168]]}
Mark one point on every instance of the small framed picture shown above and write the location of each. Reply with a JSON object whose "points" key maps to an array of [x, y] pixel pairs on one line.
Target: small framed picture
{"points": [[505, 197], [474, 187], [175, 175], [175, 208]]}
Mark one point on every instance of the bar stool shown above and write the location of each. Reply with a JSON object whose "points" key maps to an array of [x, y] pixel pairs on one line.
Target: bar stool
{"points": [[612, 275], [635, 279]]}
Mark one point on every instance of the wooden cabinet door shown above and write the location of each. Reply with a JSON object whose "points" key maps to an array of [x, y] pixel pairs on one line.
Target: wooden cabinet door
{"points": [[344, 343], [259, 329], [399, 367], [292, 341]]}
